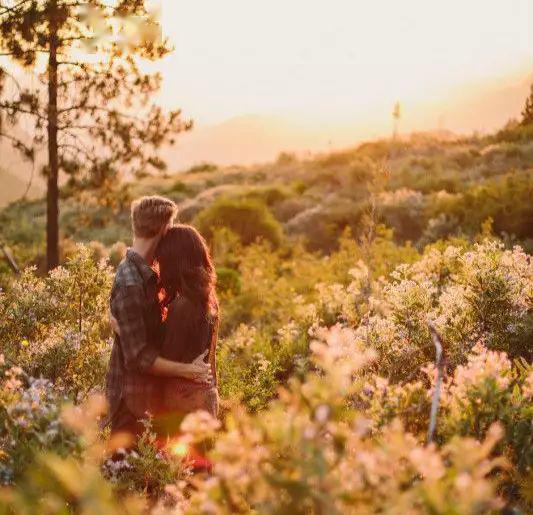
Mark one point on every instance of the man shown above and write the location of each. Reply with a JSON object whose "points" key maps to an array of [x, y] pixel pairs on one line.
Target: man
{"points": [[132, 380]]}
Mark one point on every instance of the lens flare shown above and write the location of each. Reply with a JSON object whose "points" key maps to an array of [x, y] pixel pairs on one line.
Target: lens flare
{"points": [[179, 448]]}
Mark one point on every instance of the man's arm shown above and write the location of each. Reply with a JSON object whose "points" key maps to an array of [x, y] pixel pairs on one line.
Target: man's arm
{"points": [[197, 370], [139, 355]]}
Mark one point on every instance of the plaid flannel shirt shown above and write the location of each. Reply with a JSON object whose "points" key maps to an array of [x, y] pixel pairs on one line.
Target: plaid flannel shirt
{"points": [[135, 305]]}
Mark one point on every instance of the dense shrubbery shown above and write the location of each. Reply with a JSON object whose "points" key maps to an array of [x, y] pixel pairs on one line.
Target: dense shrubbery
{"points": [[249, 219], [309, 453], [56, 326], [325, 360], [505, 200], [326, 376]]}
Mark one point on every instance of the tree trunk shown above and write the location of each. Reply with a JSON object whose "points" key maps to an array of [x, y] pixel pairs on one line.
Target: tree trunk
{"points": [[52, 211]]}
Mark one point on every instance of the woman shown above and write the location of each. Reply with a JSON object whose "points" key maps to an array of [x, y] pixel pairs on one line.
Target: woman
{"points": [[187, 280]]}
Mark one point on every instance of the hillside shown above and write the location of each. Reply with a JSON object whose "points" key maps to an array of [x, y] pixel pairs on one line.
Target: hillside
{"points": [[424, 188], [325, 362], [481, 106], [13, 188], [336, 275]]}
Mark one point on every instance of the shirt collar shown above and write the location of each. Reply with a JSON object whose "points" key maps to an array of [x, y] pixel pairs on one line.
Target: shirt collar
{"points": [[147, 273]]}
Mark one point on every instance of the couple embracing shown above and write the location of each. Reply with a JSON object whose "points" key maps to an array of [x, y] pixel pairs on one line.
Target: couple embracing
{"points": [[164, 311]]}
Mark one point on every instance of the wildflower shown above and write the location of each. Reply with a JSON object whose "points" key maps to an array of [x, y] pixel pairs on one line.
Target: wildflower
{"points": [[200, 425], [427, 462], [242, 338], [322, 413]]}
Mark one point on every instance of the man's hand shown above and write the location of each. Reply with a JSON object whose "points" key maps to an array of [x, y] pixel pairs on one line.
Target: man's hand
{"points": [[198, 370], [201, 358]]}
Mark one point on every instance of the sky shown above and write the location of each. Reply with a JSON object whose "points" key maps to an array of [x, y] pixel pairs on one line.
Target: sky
{"points": [[306, 76], [330, 61]]}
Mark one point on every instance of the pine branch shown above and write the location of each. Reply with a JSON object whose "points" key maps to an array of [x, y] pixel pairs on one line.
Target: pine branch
{"points": [[13, 8], [10, 54], [79, 142], [77, 150], [73, 63], [28, 151], [93, 108], [75, 127], [10, 107]]}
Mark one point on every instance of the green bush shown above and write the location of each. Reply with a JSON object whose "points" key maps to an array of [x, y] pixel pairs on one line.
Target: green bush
{"points": [[202, 168], [56, 326], [269, 195], [504, 199], [228, 281], [179, 186], [249, 219], [148, 468], [515, 132], [29, 422]]}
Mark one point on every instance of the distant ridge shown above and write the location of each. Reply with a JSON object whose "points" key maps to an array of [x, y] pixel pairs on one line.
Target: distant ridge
{"points": [[479, 107], [15, 173], [13, 187]]}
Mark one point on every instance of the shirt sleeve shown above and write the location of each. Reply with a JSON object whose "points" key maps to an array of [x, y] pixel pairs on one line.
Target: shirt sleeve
{"points": [[127, 307]]}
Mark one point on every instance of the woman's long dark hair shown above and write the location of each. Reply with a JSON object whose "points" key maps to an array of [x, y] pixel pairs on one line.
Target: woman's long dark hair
{"points": [[186, 269]]}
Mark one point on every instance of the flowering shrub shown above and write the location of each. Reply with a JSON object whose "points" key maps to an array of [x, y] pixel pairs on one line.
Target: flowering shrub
{"points": [[147, 468], [481, 293], [71, 483], [29, 421], [326, 378], [57, 326], [487, 389], [245, 372], [306, 452], [309, 453]]}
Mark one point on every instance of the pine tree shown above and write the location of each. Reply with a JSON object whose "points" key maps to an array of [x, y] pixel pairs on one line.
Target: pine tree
{"points": [[92, 105], [527, 113]]}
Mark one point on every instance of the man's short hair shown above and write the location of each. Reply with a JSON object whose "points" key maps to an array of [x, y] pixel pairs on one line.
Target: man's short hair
{"points": [[150, 214]]}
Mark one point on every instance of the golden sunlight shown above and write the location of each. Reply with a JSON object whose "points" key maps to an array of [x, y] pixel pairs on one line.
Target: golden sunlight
{"points": [[338, 59], [290, 240]]}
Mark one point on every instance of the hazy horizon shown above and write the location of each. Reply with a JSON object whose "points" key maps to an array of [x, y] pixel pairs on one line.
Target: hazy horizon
{"points": [[250, 138], [300, 76], [313, 76]]}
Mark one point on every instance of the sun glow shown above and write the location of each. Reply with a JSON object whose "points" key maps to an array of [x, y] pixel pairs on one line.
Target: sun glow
{"points": [[329, 60], [178, 448]]}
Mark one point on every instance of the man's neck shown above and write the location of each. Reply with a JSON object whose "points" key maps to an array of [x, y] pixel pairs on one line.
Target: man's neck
{"points": [[145, 247]]}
